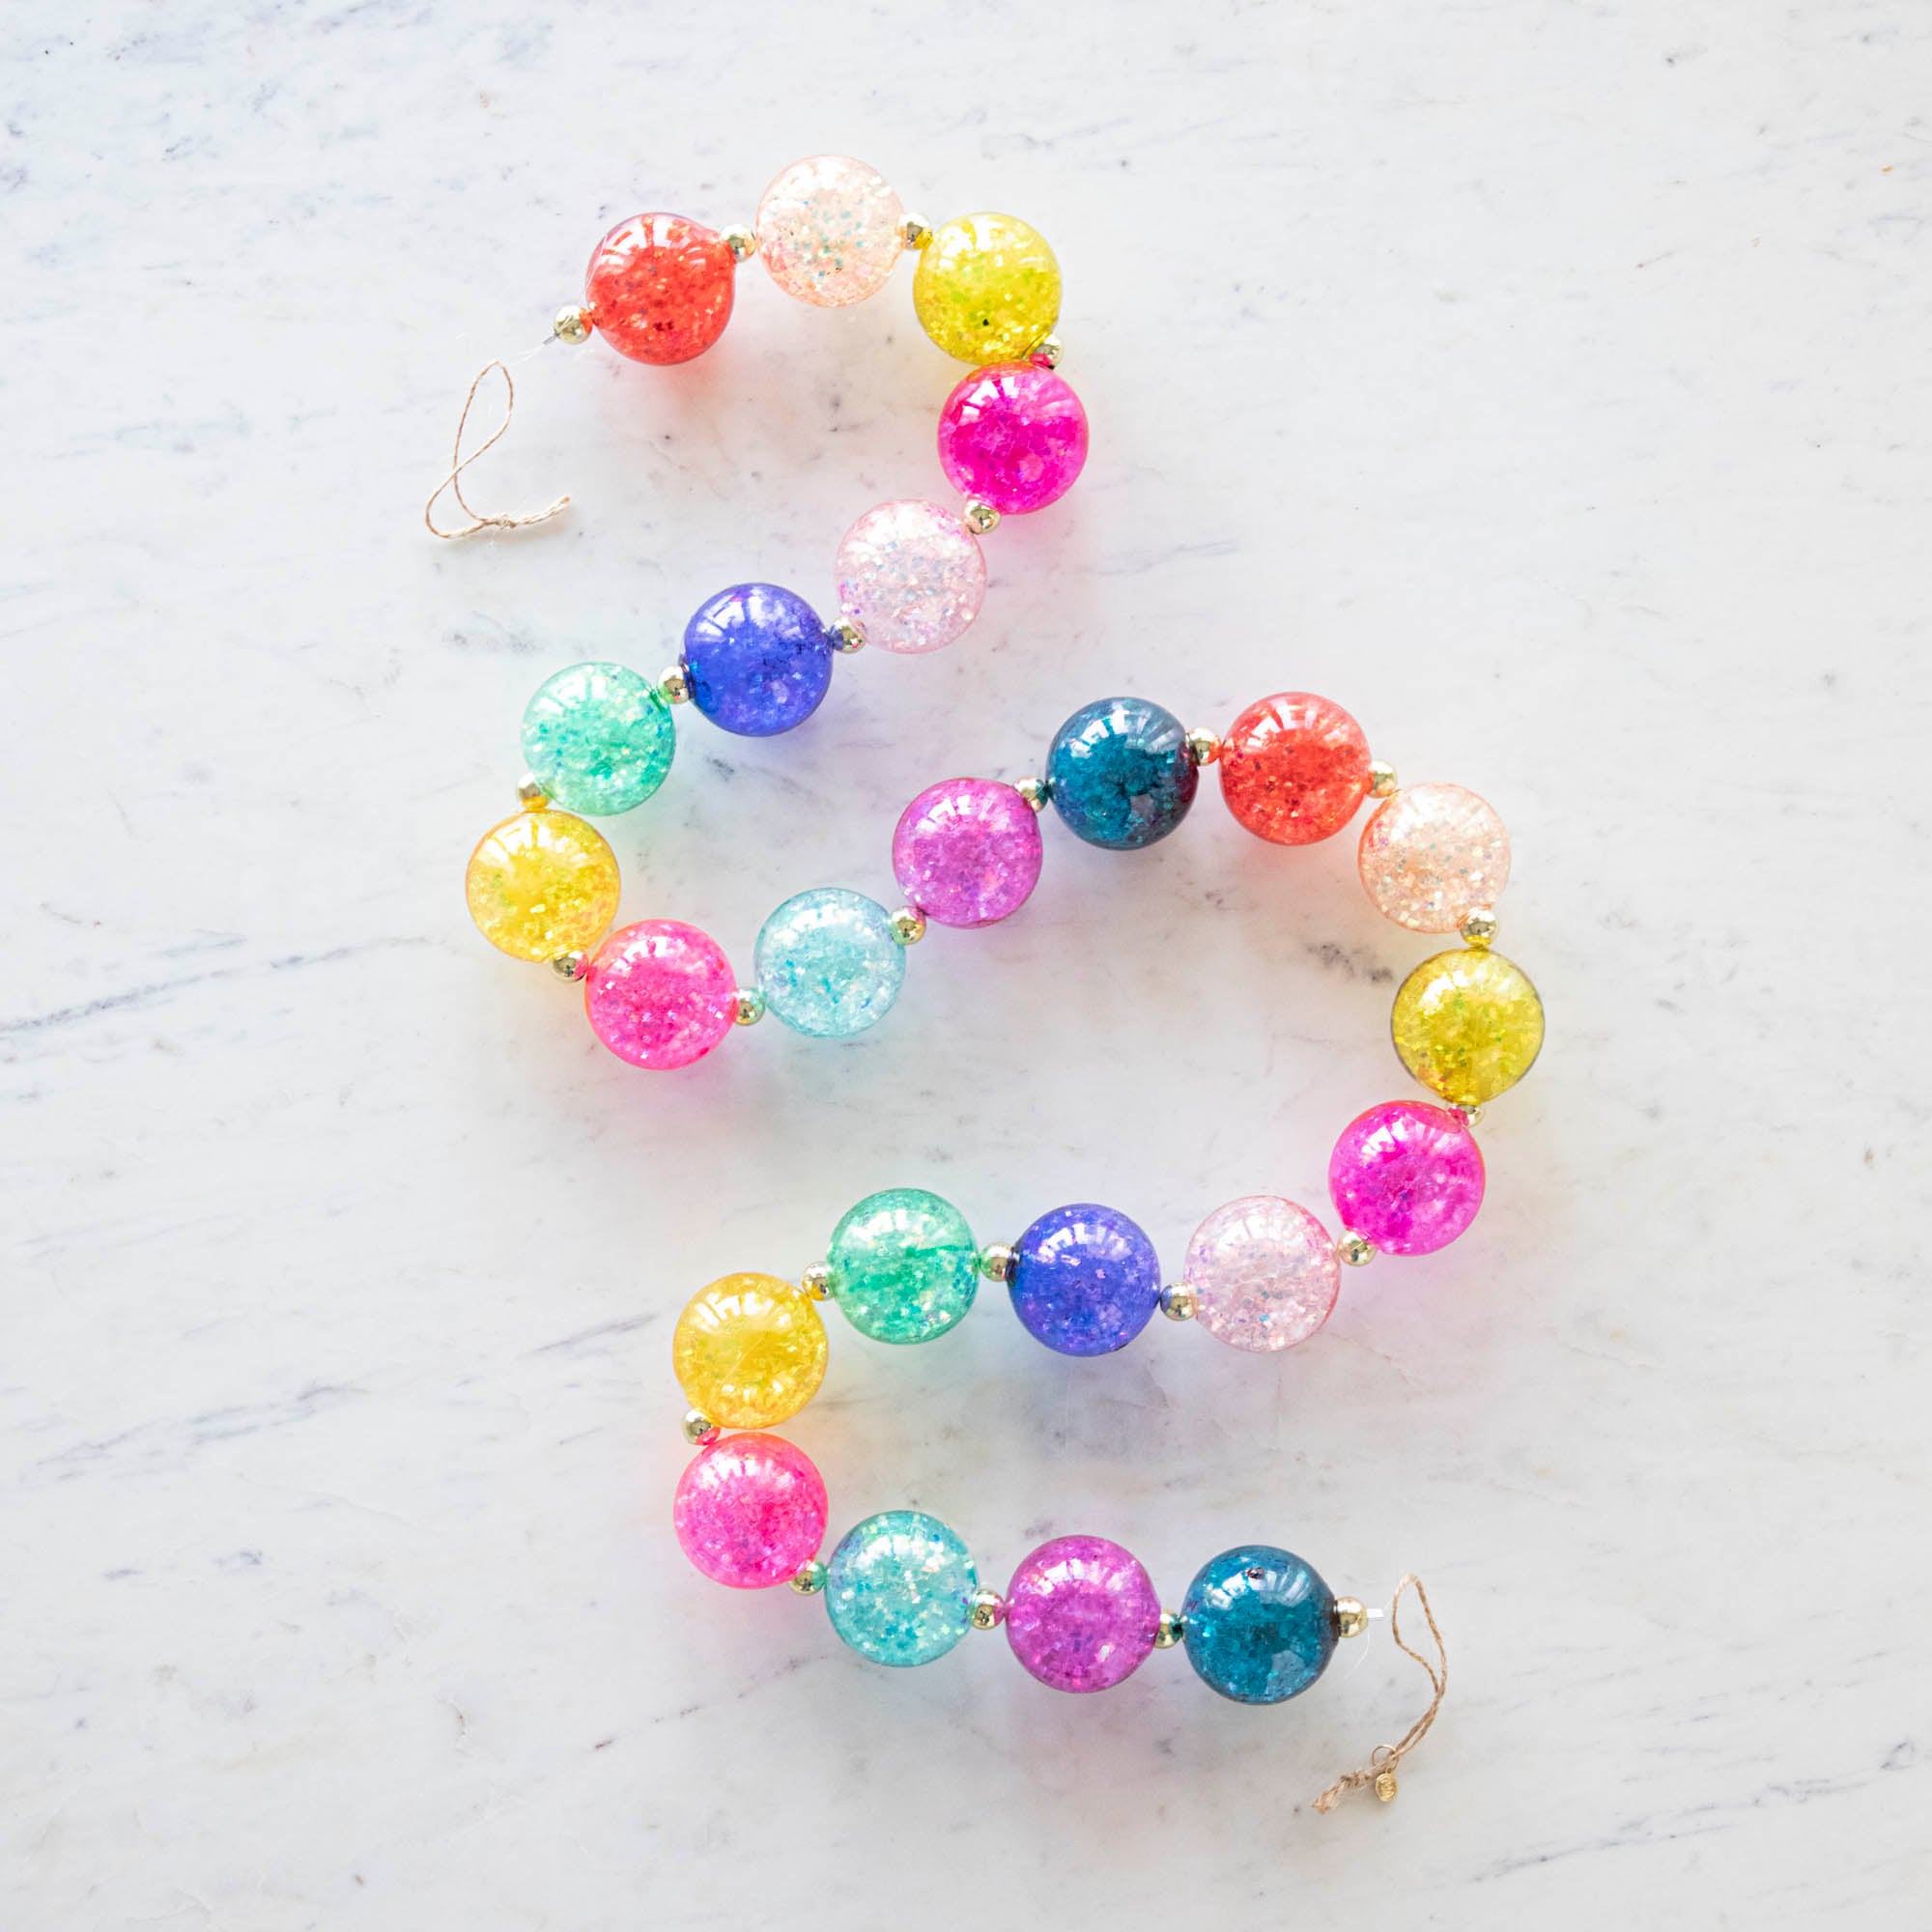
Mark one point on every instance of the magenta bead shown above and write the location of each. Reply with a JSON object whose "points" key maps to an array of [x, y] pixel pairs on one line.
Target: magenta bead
{"points": [[1014, 435], [1407, 1176], [1082, 1613], [967, 851], [750, 1509], [660, 994]]}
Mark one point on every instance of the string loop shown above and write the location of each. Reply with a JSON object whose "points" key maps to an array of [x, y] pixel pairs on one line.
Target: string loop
{"points": [[452, 481], [1379, 1771]]}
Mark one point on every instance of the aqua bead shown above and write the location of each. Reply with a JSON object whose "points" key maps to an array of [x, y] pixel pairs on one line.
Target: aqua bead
{"points": [[1259, 1624], [828, 964], [758, 659], [900, 1588], [599, 738], [904, 1266], [1120, 773]]}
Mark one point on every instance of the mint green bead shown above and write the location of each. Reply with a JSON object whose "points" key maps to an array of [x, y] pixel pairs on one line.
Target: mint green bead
{"points": [[900, 1588], [904, 1266], [599, 738]]}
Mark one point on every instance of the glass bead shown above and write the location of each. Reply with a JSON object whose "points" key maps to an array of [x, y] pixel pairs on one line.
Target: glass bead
{"points": [[911, 575], [967, 851], [1120, 775], [542, 883], [748, 1350], [829, 230], [1467, 1023], [1086, 1280], [658, 288], [1014, 435], [1082, 1613], [1432, 853], [1406, 1176], [1294, 768], [828, 964], [986, 288], [1264, 1272], [1259, 1624], [749, 1510], [599, 738], [900, 1588], [904, 1266], [758, 659], [660, 994]]}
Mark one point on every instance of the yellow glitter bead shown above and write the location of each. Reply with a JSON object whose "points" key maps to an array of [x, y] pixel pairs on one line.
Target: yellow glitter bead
{"points": [[748, 1350], [987, 288], [1468, 1024], [542, 883]]}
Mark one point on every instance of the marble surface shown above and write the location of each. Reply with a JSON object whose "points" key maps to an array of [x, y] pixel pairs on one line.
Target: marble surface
{"points": [[1546, 382]]}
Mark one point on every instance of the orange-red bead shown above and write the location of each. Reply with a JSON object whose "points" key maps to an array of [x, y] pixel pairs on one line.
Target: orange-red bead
{"points": [[658, 288], [1294, 768]]}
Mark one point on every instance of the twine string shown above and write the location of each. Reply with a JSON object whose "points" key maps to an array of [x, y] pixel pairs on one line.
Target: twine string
{"points": [[452, 481], [1379, 1771]]}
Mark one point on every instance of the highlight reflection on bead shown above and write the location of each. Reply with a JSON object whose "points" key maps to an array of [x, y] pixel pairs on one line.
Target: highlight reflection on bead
{"points": [[900, 1588], [750, 1351], [967, 851], [758, 659], [658, 288], [1264, 1272], [1406, 1176], [1294, 768], [1467, 1023], [542, 883], [1120, 775], [599, 738], [750, 1509], [1085, 1280], [1432, 853], [829, 230], [911, 575], [1014, 436], [1259, 1624], [904, 1266], [660, 994], [987, 288], [828, 964], [1082, 1613]]}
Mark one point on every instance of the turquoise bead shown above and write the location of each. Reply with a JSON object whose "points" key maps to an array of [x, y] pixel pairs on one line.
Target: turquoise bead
{"points": [[828, 964], [904, 1266], [900, 1588], [1120, 773], [599, 738], [1259, 1624]]}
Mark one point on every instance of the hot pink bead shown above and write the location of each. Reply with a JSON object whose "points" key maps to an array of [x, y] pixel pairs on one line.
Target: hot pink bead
{"points": [[660, 994], [1082, 1613], [1407, 1176], [967, 851], [911, 575], [1264, 1272], [1014, 435], [750, 1509]]}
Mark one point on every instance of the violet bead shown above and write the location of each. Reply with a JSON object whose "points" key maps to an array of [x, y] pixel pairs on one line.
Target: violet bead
{"points": [[967, 851], [750, 1509], [1407, 1176], [758, 659], [1082, 1613], [1014, 435], [1086, 1280]]}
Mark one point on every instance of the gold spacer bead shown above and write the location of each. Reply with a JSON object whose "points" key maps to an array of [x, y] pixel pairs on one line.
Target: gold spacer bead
{"points": [[914, 233], [742, 241], [531, 794], [988, 1609], [996, 1262], [749, 1007], [1171, 1631], [1178, 1303], [809, 1578], [1203, 747], [1381, 780], [698, 1427], [816, 1281], [571, 966], [1354, 1249], [1047, 352], [1385, 1786], [1479, 925], [1036, 792], [675, 684], [979, 516], [908, 926], [1469, 1111], [572, 322], [845, 635], [1351, 1616]]}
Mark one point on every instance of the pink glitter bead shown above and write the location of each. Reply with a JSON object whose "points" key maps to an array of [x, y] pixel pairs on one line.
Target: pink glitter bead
{"points": [[1082, 1613], [1014, 435], [749, 1510], [829, 230], [660, 994], [1407, 1176], [911, 575], [967, 851], [1432, 854], [1264, 1272]]}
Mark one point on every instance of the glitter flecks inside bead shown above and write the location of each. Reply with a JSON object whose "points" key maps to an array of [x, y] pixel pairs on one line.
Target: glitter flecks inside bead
{"points": [[1431, 854], [1264, 1272], [829, 230], [1259, 1624], [1014, 436], [758, 659], [1120, 775], [660, 994], [828, 964], [542, 883], [748, 1350], [911, 575], [986, 288], [1086, 1279], [967, 852], [658, 288], [599, 738], [1082, 1614], [900, 1588], [904, 1266], [1294, 768], [1406, 1176], [1468, 1024], [750, 1509]]}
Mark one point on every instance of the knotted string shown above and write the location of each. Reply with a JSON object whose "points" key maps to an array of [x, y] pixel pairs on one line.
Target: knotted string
{"points": [[1379, 1771], [499, 520]]}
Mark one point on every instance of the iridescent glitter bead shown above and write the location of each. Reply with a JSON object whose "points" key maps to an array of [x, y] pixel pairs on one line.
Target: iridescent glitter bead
{"points": [[1432, 853], [1259, 1624], [1014, 436], [1085, 1280], [599, 738], [541, 884], [828, 964], [756, 659], [1120, 775], [1264, 1272], [658, 288], [967, 851], [986, 288], [749, 1510], [911, 575], [829, 230], [1406, 1176], [660, 994], [904, 1266], [900, 1588], [1082, 1613], [1294, 768], [748, 1350], [1467, 1023]]}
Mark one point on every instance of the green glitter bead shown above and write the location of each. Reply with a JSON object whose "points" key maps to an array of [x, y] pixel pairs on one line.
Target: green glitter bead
{"points": [[599, 738], [900, 1588], [904, 1266]]}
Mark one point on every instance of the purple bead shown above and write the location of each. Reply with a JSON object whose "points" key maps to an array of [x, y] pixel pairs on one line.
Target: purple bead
{"points": [[1086, 1280], [1407, 1176], [1014, 435], [966, 851], [1082, 1613]]}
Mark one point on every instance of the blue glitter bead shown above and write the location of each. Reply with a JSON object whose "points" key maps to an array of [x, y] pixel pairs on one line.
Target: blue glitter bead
{"points": [[828, 964], [1086, 1280], [598, 738], [1120, 773], [1259, 1624], [900, 1588], [758, 659]]}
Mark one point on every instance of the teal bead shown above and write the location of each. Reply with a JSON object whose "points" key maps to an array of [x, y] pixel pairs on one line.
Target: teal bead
{"points": [[1259, 1624], [828, 964], [900, 1588], [904, 1266], [599, 738]]}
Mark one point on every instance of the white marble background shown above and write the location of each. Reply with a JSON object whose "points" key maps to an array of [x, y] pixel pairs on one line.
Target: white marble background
{"points": [[1545, 382]]}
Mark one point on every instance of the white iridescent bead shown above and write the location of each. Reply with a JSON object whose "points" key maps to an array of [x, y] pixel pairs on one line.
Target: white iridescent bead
{"points": [[911, 575], [829, 231], [1432, 854], [1264, 1272]]}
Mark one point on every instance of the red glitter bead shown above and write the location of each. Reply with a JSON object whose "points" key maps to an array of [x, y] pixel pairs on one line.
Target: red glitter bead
{"points": [[658, 288], [1294, 768]]}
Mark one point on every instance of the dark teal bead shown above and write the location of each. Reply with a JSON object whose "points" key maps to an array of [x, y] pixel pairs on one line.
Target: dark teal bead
{"points": [[1120, 773], [1259, 1624]]}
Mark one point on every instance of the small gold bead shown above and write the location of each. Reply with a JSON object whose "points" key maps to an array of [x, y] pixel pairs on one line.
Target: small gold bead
{"points": [[742, 241], [914, 233], [571, 966], [1479, 925], [979, 516], [675, 684], [996, 1262], [698, 1427], [1047, 352], [809, 1578], [572, 323], [1385, 1786], [1354, 1249], [988, 1611], [1036, 792], [1471, 1113], [1203, 747], [1178, 1304], [750, 1009], [908, 926], [816, 1281], [1381, 780], [1351, 1616], [845, 635], [1171, 1630], [531, 794]]}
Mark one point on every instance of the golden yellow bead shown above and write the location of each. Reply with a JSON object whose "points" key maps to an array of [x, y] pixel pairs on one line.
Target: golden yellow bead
{"points": [[1468, 1024], [541, 884], [748, 1350], [986, 288]]}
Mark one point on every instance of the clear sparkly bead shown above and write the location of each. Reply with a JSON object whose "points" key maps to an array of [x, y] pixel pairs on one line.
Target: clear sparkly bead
{"points": [[1264, 1272], [829, 230], [1432, 853], [911, 575]]}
